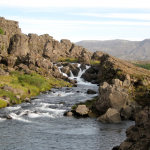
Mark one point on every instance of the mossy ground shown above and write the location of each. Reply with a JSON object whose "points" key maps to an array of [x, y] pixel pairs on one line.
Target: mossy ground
{"points": [[68, 59], [95, 62], [34, 83], [2, 103], [2, 31]]}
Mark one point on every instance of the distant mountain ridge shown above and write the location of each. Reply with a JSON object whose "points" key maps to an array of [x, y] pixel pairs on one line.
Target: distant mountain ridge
{"points": [[123, 49]]}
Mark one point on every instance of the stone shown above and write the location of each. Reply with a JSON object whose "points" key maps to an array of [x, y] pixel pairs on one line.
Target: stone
{"points": [[83, 67], [18, 97], [18, 45], [126, 112], [126, 83], [69, 113], [82, 110], [27, 99], [138, 136], [110, 96], [8, 117], [111, 116], [89, 91], [117, 82]]}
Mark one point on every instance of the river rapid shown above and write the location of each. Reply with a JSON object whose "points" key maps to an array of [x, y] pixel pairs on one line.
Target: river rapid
{"points": [[41, 125]]}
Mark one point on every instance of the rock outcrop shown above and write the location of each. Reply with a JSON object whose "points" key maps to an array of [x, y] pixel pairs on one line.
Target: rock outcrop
{"points": [[138, 136]]}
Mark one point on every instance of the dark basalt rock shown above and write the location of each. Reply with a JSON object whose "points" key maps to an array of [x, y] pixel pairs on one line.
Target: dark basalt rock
{"points": [[89, 91]]}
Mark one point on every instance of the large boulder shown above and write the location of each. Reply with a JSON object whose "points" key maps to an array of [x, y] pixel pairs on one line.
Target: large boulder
{"points": [[82, 110], [111, 116], [111, 96], [19, 45]]}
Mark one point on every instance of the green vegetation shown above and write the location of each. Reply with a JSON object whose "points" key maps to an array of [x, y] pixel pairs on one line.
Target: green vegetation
{"points": [[2, 31], [62, 59], [142, 95], [146, 66], [2, 47], [31, 85], [2, 103], [95, 62]]}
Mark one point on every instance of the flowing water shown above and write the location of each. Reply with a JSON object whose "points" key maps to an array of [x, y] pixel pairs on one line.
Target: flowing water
{"points": [[40, 125]]}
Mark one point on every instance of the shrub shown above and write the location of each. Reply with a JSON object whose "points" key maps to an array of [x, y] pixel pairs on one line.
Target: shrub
{"points": [[32, 79]]}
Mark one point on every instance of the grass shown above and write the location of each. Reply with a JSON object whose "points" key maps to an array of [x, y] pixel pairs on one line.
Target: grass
{"points": [[2, 47], [146, 66], [96, 62], [34, 83], [2, 103], [68, 59], [2, 31]]}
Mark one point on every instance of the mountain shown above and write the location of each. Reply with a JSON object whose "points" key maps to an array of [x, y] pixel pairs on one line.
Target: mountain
{"points": [[123, 49]]}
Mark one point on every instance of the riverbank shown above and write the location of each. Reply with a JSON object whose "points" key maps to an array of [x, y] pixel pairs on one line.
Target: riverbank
{"points": [[18, 87]]}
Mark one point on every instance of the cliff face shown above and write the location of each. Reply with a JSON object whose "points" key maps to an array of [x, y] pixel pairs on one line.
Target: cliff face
{"points": [[16, 44]]}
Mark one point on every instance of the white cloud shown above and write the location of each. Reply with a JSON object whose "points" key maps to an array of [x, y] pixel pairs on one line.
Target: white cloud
{"points": [[140, 16], [75, 23], [78, 3]]}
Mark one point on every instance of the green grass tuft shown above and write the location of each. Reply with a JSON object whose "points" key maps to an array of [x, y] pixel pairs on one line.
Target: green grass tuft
{"points": [[2, 103], [2, 31], [62, 59]]}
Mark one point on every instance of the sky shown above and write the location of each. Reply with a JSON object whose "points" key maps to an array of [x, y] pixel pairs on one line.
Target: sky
{"points": [[78, 20]]}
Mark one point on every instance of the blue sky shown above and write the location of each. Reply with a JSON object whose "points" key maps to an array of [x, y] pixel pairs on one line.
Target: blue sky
{"points": [[78, 20]]}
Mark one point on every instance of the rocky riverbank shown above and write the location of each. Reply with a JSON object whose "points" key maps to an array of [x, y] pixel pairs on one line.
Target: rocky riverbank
{"points": [[28, 66]]}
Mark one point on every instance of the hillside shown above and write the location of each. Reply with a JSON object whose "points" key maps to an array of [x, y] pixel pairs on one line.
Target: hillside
{"points": [[123, 49]]}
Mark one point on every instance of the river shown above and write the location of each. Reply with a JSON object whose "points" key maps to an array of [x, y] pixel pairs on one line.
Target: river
{"points": [[41, 125]]}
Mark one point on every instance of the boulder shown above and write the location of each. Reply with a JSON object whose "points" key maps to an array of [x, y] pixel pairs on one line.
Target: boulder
{"points": [[18, 97], [27, 99], [111, 116], [8, 117], [82, 110], [66, 70], [111, 96], [126, 112], [3, 73], [89, 91], [69, 113], [19, 45], [83, 67]]}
